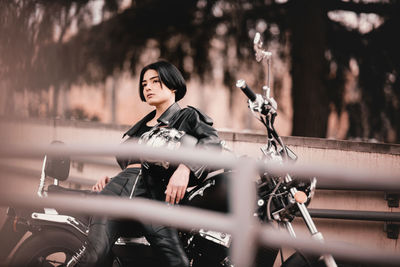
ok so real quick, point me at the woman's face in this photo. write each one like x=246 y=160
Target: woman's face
x=155 y=92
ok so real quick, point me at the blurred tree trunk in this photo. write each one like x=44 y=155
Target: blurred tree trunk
x=310 y=100
x=56 y=93
x=64 y=99
x=114 y=98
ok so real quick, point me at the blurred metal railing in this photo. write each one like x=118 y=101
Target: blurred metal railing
x=315 y=213
x=246 y=230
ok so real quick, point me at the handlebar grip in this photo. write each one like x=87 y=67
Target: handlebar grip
x=246 y=90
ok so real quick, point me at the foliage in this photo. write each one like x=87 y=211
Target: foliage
x=37 y=50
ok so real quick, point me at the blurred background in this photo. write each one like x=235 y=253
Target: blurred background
x=335 y=64
x=69 y=71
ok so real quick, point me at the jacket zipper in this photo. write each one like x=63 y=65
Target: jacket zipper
x=134 y=185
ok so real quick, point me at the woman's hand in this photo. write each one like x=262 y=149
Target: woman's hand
x=101 y=184
x=177 y=185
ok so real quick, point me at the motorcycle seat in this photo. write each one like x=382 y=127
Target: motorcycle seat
x=54 y=189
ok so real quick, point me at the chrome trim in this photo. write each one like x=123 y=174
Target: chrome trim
x=313 y=186
x=130 y=240
x=216 y=237
x=134 y=185
x=50 y=211
x=64 y=219
x=40 y=191
x=200 y=191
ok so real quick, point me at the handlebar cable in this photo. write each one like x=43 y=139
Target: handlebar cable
x=270 y=199
x=277 y=137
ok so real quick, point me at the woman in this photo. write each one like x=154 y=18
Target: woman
x=161 y=85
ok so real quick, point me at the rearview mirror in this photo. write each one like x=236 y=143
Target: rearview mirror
x=57 y=166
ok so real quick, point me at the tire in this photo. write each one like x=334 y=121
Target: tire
x=48 y=248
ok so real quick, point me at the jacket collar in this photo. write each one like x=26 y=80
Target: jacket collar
x=164 y=119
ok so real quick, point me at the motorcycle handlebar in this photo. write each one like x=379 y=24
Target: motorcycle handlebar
x=246 y=90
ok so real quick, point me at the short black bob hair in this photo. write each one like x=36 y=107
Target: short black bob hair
x=169 y=75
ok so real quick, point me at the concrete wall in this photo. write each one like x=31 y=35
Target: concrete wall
x=346 y=154
x=374 y=158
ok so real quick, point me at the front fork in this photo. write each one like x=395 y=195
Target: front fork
x=328 y=259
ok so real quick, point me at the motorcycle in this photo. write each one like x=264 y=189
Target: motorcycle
x=56 y=235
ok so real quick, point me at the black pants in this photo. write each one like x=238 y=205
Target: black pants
x=104 y=232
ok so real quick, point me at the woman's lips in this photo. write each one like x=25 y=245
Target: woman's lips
x=150 y=95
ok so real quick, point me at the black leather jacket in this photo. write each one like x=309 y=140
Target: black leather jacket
x=193 y=122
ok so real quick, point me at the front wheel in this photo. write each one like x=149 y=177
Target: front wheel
x=48 y=248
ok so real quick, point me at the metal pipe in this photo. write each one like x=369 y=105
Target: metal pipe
x=355 y=215
x=321 y=185
x=351 y=186
x=242 y=199
x=139 y=208
x=189 y=218
x=315 y=213
x=330 y=173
